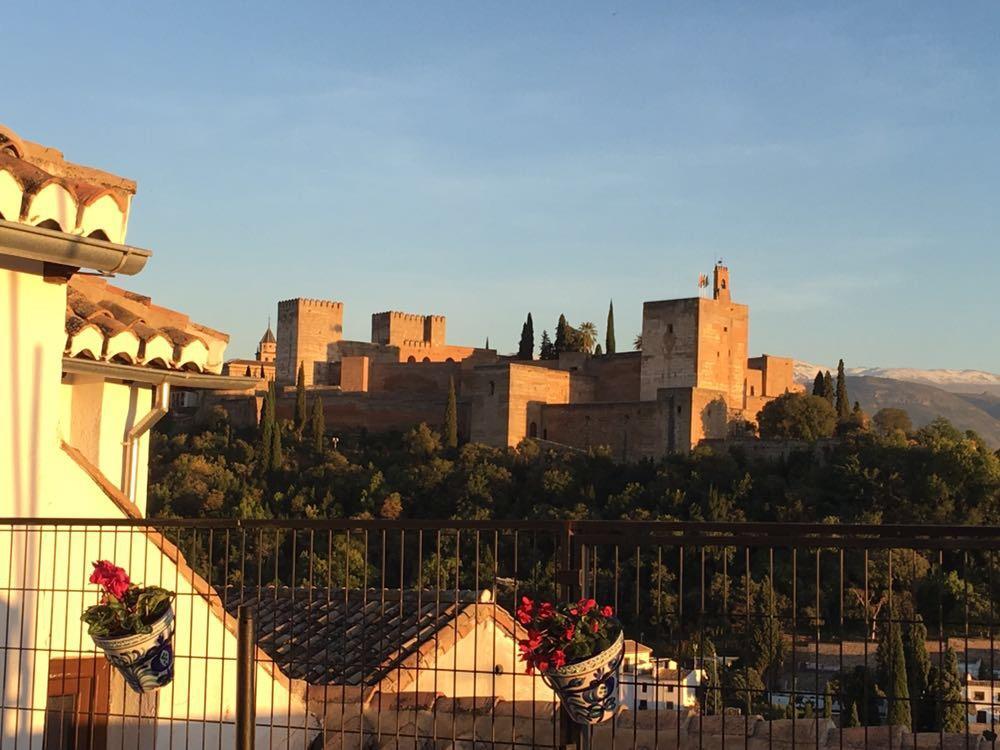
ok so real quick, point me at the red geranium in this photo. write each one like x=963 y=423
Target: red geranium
x=124 y=609
x=561 y=634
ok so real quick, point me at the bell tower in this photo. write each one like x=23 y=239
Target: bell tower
x=720 y=290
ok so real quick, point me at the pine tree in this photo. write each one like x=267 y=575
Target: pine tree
x=896 y=685
x=546 y=350
x=818 y=384
x=946 y=688
x=300 y=398
x=451 y=418
x=918 y=665
x=317 y=423
x=277 y=459
x=713 y=685
x=562 y=337
x=526 y=347
x=828 y=392
x=609 y=336
x=843 y=403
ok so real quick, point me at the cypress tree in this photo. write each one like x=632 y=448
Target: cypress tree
x=562 y=337
x=526 y=347
x=487 y=342
x=546 y=350
x=843 y=403
x=609 y=336
x=713 y=685
x=598 y=351
x=946 y=688
x=451 y=417
x=317 y=423
x=828 y=392
x=818 y=384
x=918 y=666
x=896 y=685
x=852 y=717
x=827 y=702
x=277 y=459
x=300 y=398
x=267 y=424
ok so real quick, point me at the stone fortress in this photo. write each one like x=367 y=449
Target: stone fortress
x=691 y=381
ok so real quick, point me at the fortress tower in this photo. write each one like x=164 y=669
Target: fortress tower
x=308 y=330
x=394 y=328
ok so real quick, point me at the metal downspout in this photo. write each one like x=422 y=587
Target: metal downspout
x=161 y=404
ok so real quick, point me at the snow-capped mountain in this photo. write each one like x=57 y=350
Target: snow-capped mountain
x=960 y=381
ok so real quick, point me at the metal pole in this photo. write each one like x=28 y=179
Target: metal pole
x=569 y=582
x=246 y=692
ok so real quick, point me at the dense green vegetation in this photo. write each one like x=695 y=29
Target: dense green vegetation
x=744 y=602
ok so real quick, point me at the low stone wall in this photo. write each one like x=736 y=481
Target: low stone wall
x=423 y=722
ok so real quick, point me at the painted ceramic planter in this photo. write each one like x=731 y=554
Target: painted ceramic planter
x=589 y=689
x=145 y=660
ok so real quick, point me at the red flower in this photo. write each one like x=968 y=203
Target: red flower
x=607 y=611
x=586 y=605
x=569 y=633
x=558 y=658
x=545 y=611
x=595 y=626
x=111 y=578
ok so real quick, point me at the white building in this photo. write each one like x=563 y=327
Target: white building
x=648 y=683
x=87 y=370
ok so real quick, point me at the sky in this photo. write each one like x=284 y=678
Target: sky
x=484 y=160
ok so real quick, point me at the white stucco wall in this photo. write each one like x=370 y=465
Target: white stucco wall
x=469 y=669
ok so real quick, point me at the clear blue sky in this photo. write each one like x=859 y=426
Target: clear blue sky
x=483 y=160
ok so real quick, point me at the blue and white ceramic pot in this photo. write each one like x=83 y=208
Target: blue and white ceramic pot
x=589 y=689
x=145 y=660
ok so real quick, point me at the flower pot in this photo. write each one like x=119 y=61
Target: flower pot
x=589 y=689
x=145 y=660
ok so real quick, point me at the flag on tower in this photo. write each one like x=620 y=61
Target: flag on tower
x=702 y=281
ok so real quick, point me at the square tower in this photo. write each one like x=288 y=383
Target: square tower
x=308 y=331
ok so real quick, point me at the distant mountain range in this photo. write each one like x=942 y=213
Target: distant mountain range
x=969 y=399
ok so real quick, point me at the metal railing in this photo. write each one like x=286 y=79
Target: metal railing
x=401 y=634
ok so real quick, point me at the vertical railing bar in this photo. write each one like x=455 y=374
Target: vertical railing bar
x=246 y=703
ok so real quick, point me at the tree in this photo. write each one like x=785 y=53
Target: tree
x=277 y=458
x=918 y=665
x=818 y=384
x=546 y=349
x=827 y=702
x=843 y=404
x=767 y=647
x=267 y=425
x=451 y=417
x=796 y=416
x=945 y=689
x=891 y=659
x=713 y=685
x=609 y=334
x=300 y=398
x=852 y=718
x=855 y=422
x=828 y=391
x=587 y=333
x=526 y=347
x=317 y=424
x=598 y=351
x=562 y=336
x=637 y=342
x=889 y=420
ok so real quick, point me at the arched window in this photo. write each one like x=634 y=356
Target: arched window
x=426 y=359
x=411 y=359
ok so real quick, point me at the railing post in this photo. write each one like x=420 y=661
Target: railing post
x=246 y=692
x=569 y=578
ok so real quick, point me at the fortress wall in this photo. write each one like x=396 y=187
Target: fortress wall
x=421 y=377
x=395 y=328
x=669 y=346
x=486 y=391
x=778 y=374
x=530 y=387
x=617 y=376
x=630 y=430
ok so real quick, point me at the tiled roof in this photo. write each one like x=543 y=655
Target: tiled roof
x=39 y=187
x=106 y=323
x=268 y=337
x=358 y=638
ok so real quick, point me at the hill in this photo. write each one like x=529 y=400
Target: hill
x=925 y=402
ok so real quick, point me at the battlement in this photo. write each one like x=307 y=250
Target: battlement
x=405 y=316
x=308 y=302
x=397 y=328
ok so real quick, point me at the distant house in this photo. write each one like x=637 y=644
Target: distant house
x=648 y=683
x=87 y=370
x=366 y=646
